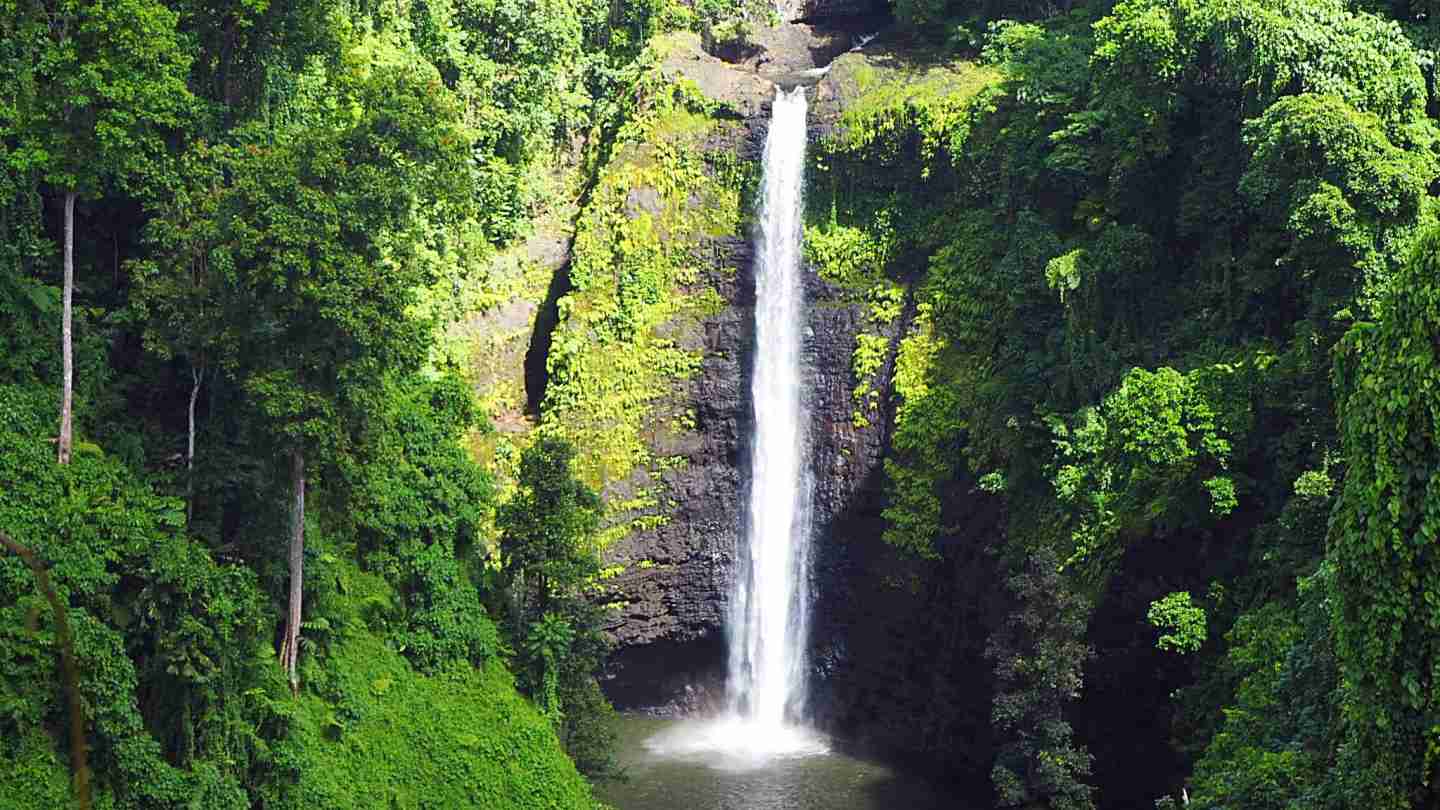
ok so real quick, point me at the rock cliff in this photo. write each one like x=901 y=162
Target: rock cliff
x=673 y=559
x=648 y=368
x=673 y=591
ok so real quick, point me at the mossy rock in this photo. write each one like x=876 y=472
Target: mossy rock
x=630 y=335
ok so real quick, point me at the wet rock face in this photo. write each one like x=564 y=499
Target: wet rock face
x=898 y=658
x=744 y=92
x=845 y=458
x=784 y=48
x=678 y=593
x=669 y=629
x=670 y=632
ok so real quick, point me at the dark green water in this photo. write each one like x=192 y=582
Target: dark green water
x=663 y=779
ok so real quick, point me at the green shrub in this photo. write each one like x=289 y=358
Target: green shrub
x=376 y=733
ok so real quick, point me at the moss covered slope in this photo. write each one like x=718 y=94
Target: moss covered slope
x=384 y=736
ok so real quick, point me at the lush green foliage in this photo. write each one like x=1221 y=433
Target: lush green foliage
x=411 y=480
x=1132 y=244
x=303 y=257
x=1383 y=539
x=1183 y=620
x=278 y=202
x=1128 y=465
x=153 y=616
x=372 y=728
x=1270 y=750
x=547 y=561
x=91 y=89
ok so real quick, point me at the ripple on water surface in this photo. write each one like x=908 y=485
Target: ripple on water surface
x=726 y=764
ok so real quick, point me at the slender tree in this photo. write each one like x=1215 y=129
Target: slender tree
x=80 y=777
x=308 y=238
x=93 y=89
x=178 y=295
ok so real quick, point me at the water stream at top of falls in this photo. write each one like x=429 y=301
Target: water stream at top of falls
x=770 y=603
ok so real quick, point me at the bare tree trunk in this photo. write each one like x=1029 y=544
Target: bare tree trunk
x=290 y=648
x=197 y=375
x=67 y=385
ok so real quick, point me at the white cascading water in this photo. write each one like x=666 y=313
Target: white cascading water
x=769 y=612
x=771 y=602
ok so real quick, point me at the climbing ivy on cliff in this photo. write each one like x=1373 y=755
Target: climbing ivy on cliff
x=1383 y=539
x=627 y=340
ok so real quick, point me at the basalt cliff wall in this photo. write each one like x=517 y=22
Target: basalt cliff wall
x=642 y=312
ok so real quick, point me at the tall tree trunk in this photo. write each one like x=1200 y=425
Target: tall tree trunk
x=197 y=375
x=290 y=649
x=79 y=748
x=67 y=354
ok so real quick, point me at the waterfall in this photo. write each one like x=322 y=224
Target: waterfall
x=770 y=605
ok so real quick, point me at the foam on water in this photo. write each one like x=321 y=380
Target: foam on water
x=734 y=743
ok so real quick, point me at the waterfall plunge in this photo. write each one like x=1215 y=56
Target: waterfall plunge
x=769 y=617
x=770 y=607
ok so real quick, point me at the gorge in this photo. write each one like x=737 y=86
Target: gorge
x=470 y=404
